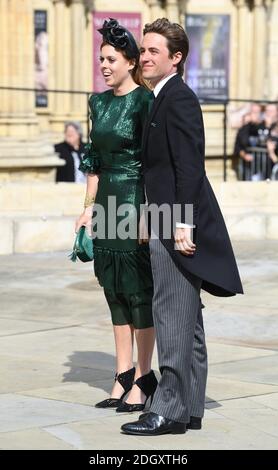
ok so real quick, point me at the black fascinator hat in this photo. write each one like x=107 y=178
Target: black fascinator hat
x=119 y=37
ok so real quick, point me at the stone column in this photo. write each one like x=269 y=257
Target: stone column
x=89 y=50
x=183 y=11
x=272 y=65
x=172 y=11
x=155 y=9
x=259 y=50
x=17 y=68
x=4 y=60
x=62 y=64
x=78 y=58
x=24 y=155
x=245 y=46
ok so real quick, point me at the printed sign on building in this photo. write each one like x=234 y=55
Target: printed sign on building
x=131 y=21
x=207 y=66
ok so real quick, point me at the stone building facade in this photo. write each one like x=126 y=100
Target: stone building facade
x=37 y=214
x=27 y=132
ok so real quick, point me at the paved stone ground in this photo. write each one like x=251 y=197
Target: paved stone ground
x=57 y=359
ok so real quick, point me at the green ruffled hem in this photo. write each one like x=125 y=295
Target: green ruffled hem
x=90 y=163
x=127 y=272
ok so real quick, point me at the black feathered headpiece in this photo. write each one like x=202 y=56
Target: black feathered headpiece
x=120 y=38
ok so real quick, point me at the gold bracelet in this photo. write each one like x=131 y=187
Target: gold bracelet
x=89 y=200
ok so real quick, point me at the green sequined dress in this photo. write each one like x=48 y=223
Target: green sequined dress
x=114 y=152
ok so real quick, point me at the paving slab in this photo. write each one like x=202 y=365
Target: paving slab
x=23 y=412
x=261 y=370
x=221 y=388
x=57 y=359
x=32 y=439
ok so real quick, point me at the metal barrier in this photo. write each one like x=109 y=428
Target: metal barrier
x=258 y=160
x=259 y=168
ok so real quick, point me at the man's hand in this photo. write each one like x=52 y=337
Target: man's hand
x=271 y=147
x=248 y=157
x=184 y=242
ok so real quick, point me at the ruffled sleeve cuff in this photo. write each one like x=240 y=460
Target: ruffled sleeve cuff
x=90 y=163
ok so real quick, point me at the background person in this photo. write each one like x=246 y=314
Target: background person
x=71 y=150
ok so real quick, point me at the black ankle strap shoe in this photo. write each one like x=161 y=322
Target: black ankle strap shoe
x=147 y=383
x=126 y=380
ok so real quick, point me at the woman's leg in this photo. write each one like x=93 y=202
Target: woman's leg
x=123 y=335
x=145 y=339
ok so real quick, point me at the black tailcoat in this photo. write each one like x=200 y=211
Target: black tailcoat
x=173 y=166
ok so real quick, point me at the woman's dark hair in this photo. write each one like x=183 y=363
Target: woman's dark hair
x=177 y=40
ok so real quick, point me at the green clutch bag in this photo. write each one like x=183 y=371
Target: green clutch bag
x=83 y=246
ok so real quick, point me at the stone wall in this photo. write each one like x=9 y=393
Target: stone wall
x=39 y=217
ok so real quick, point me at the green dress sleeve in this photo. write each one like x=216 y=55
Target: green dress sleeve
x=90 y=162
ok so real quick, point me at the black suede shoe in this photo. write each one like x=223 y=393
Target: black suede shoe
x=194 y=423
x=153 y=425
x=126 y=380
x=109 y=403
x=147 y=383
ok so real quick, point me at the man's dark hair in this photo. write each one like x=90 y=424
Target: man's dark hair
x=177 y=40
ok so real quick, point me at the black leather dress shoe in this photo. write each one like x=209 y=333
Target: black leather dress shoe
x=194 y=423
x=153 y=425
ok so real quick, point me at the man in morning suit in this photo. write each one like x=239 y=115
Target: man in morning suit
x=198 y=255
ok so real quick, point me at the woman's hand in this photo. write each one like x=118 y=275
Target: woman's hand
x=143 y=236
x=84 y=219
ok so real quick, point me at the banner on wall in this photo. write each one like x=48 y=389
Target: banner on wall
x=41 y=57
x=207 y=65
x=131 y=21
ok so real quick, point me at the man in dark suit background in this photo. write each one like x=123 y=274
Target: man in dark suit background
x=174 y=172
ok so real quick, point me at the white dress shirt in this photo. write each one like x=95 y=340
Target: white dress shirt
x=79 y=177
x=156 y=90
x=161 y=84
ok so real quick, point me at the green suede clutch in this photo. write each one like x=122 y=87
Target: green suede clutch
x=83 y=246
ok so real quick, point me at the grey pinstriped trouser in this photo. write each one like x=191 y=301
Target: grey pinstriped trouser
x=180 y=340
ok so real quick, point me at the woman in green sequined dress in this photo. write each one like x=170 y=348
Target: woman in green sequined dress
x=113 y=165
